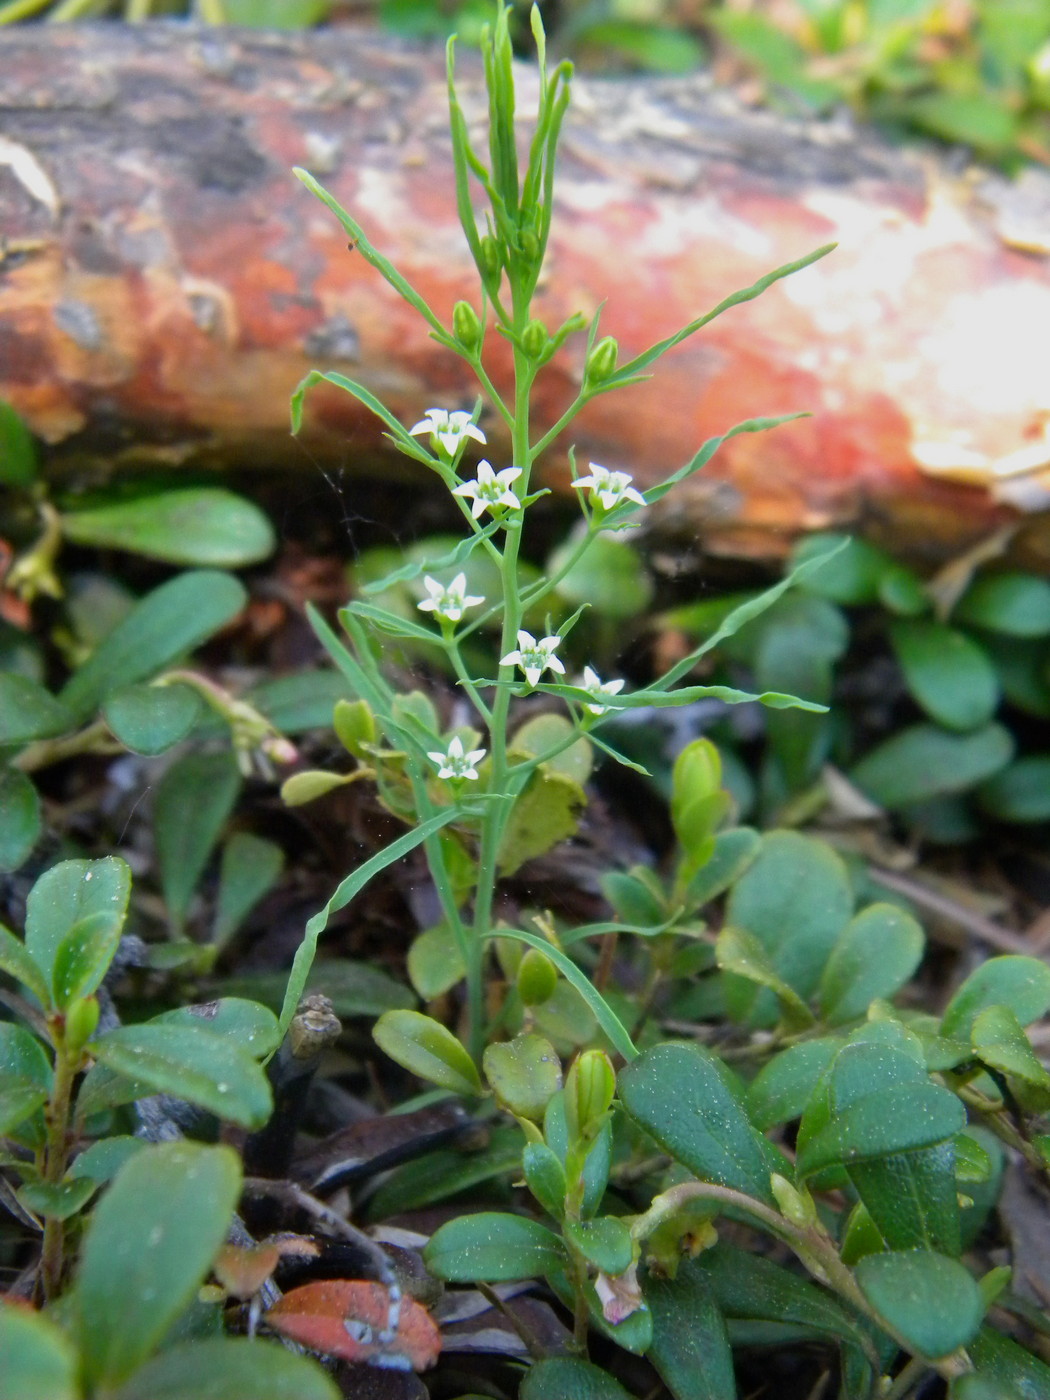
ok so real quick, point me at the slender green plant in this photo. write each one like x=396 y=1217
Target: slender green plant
x=462 y=791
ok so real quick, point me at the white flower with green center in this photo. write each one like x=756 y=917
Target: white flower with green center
x=448 y=602
x=594 y=683
x=490 y=489
x=534 y=657
x=449 y=429
x=457 y=763
x=610 y=488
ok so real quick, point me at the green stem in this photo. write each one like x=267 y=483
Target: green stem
x=56 y=1158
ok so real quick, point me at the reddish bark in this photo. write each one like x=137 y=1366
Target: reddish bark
x=165 y=282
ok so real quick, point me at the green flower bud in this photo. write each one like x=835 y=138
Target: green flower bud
x=795 y=1205
x=81 y=1023
x=589 y=1090
x=465 y=325
x=529 y=244
x=601 y=361
x=491 y=260
x=537 y=978
x=534 y=339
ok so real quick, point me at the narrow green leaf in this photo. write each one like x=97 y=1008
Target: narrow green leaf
x=1021 y=1375
x=351 y=886
x=545 y=1177
x=427 y=1049
x=40 y=1362
x=71 y=891
x=382 y=620
x=83 y=957
x=852 y=576
x=781 y=1089
x=947 y=673
x=20 y=1098
x=191 y=1064
x=743 y=954
x=28 y=711
x=678 y=1095
x=196 y=525
x=229 y=1368
x=924 y=761
x=151 y=718
x=492 y=1248
x=690 y=1349
x=874 y=956
x=1021 y=983
x=21 y=820
x=18 y=466
x=734 y=851
x=569 y=1378
x=192 y=803
x=18 y=963
x=250 y=867
x=603 y=1012
x=160 y=629
x=150 y=1243
x=932 y=1303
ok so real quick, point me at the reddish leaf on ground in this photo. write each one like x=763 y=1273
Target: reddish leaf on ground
x=358 y=1321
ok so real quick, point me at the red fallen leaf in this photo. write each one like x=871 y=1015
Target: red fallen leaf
x=351 y=1319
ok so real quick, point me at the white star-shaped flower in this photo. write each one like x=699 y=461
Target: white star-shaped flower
x=593 y=682
x=456 y=763
x=449 y=429
x=534 y=657
x=611 y=488
x=448 y=602
x=490 y=489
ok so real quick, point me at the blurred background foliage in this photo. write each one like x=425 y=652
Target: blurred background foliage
x=974 y=73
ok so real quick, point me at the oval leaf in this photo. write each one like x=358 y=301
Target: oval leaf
x=1021 y=983
x=28 y=711
x=523 y=1073
x=1014 y=603
x=925 y=761
x=150 y=1243
x=900 y=1118
x=20 y=818
x=949 y=675
x=690 y=1348
x=39 y=1360
x=569 y=1378
x=83 y=957
x=677 y=1094
x=69 y=892
x=191 y=1064
x=874 y=956
x=201 y=525
x=930 y=1302
x=151 y=718
x=205 y=785
x=492 y=1248
x=428 y=1049
x=1020 y=792
x=221 y=1368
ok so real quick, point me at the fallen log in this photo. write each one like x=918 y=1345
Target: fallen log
x=165 y=281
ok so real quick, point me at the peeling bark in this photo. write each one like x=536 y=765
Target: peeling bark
x=165 y=281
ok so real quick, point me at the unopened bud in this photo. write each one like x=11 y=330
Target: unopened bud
x=794 y=1205
x=589 y=1090
x=601 y=361
x=465 y=325
x=537 y=978
x=534 y=339
x=81 y=1023
x=491 y=260
x=529 y=245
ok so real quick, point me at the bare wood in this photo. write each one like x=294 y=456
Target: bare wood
x=164 y=281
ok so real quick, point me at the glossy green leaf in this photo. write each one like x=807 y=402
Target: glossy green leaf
x=690 y=1349
x=18 y=465
x=69 y=892
x=636 y=895
x=874 y=956
x=1016 y=604
x=192 y=1064
x=57 y=1200
x=795 y=898
x=931 y=1302
x=20 y=1098
x=195 y=525
x=545 y=1177
x=678 y=1095
x=21 y=820
x=435 y=961
x=1000 y=1042
x=947 y=673
x=150 y=1243
x=40 y=1362
x=159 y=630
x=523 y=1073
x=103 y=1159
x=22 y=1054
x=1021 y=983
x=311 y=784
x=743 y=955
x=1022 y=1375
x=428 y=1049
x=493 y=1248
x=925 y=761
x=151 y=718
x=249 y=869
x=781 y=1089
x=83 y=957
x=569 y=1378
x=734 y=851
x=191 y=805
x=28 y=711
x=1020 y=792
x=912 y=1198
x=17 y=962
x=245 y=1024
x=604 y=1242
x=229 y=1368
